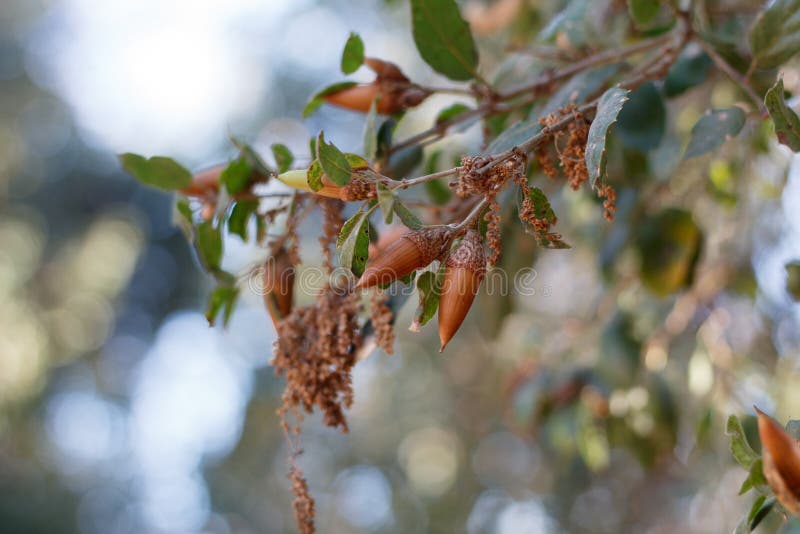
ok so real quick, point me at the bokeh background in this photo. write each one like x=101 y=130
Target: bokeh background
x=588 y=406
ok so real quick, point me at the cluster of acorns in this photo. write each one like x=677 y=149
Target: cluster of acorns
x=464 y=270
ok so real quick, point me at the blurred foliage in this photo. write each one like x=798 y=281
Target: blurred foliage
x=595 y=400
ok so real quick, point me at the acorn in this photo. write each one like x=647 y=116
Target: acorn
x=298 y=179
x=781 y=460
x=385 y=70
x=412 y=251
x=387 y=237
x=464 y=271
x=393 y=96
x=205 y=182
x=278 y=284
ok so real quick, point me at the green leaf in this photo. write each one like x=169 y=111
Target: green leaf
x=754 y=478
x=542 y=210
x=184 y=210
x=355 y=161
x=642 y=122
x=318 y=99
x=607 y=111
x=283 y=157
x=713 y=129
x=353 y=243
x=775 y=34
x=386 y=200
x=236 y=175
x=208 y=242
x=314 y=176
x=353 y=54
x=643 y=12
x=333 y=162
x=240 y=216
x=409 y=219
x=690 y=70
x=158 y=171
x=787 y=123
x=740 y=448
x=428 y=284
x=443 y=38
x=451 y=111
x=438 y=192
x=223 y=298
x=572 y=21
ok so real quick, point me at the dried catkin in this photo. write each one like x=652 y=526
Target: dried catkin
x=381 y=317
x=331 y=225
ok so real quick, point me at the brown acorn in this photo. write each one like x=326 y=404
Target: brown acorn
x=205 y=182
x=463 y=274
x=412 y=251
x=781 y=459
x=278 y=282
x=393 y=96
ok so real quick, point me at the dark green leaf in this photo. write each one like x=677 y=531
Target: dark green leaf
x=236 y=175
x=643 y=12
x=760 y=509
x=184 y=210
x=443 y=38
x=713 y=129
x=353 y=54
x=669 y=244
x=541 y=205
x=754 y=478
x=793 y=279
x=333 y=162
x=208 y=241
x=409 y=219
x=741 y=450
x=428 y=289
x=318 y=99
x=689 y=70
x=642 y=121
x=607 y=111
x=222 y=298
x=314 y=176
x=775 y=34
x=403 y=162
x=251 y=156
x=787 y=123
x=240 y=216
x=161 y=172
x=450 y=112
x=283 y=157
x=386 y=201
x=354 y=239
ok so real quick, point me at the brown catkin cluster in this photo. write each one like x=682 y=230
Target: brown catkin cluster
x=471 y=181
x=358 y=189
x=572 y=157
x=315 y=351
x=303 y=503
x=609 y=195
x=331 y=225
x=493 y=232
x=381 y=317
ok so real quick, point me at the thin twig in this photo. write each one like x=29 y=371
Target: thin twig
x=734 y=75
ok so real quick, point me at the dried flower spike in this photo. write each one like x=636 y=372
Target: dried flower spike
x=781 y=457
x=278 y=283
x=412 y=251
x=464 y=272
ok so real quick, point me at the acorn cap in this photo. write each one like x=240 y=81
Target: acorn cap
x=465 y=269
x=412 y=251
x=781 y=458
